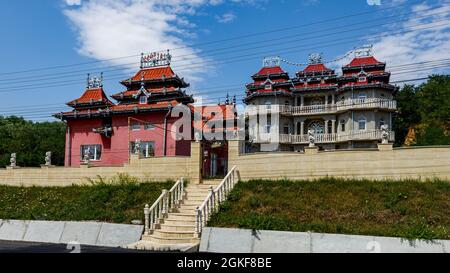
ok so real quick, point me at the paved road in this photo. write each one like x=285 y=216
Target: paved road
x=30 y=247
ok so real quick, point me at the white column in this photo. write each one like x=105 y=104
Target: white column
x=333 y=125
x=333 y=101
x=302 y=127
x=326 y=100
x=302 y=101
x=295 y=128
x=326 y=127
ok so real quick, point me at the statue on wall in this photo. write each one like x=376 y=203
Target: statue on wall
x=311 y=138
x=87 y=156
x=48 y=158
x=137 y=146
x=384 y=134
x=13 y=160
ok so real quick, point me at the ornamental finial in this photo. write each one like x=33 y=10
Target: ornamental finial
x=315 y=58
x=94 y=81
x=155 y=59
x=364 y=51
x=271 y=61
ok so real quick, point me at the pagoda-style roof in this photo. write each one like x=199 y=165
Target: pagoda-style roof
x=155 y=75
x=117 y=110
x=91 y=97
x=363 y=61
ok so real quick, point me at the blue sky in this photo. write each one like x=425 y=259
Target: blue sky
x=45 y=34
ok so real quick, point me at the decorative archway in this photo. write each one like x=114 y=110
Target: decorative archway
x=318 y=126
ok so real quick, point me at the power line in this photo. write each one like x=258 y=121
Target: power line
x=221 y=40
x=230 y=49
x=232 y=60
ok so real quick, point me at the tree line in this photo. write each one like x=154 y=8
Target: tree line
x=423 y=113
x=30 y=141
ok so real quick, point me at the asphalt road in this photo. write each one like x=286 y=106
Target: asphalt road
x=31 y=247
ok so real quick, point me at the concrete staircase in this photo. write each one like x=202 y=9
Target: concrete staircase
x=176 y=232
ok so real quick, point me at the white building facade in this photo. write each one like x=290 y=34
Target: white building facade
x=344 y=111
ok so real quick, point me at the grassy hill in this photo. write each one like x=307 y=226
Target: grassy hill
x=409 y=209
x=119 y=201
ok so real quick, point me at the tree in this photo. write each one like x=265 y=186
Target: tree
x=30 y=141
x=408 y=113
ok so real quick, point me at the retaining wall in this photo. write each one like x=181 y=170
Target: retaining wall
x=227 y=240
x=420 y=162
x=84 y=233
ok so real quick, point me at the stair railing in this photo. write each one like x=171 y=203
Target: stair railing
x=214 y=199
x=167 y=201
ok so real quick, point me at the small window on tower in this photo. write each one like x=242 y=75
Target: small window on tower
x=362 y=79
x=268 y=86
x=143 y=100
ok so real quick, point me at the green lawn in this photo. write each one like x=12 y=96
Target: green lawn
x=409 y=209
x=118 y=201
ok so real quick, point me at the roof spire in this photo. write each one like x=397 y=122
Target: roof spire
x=364 y=51
x=271 y=61
x=315 y=58
x=227 y=100
x=94 y=81
x=154 y=59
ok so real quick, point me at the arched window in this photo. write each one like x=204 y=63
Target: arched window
x=362 y=123
x=317 y=126
x=343 y=125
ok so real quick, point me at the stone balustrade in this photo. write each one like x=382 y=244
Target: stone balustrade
x=333 y=138
x=341 y=106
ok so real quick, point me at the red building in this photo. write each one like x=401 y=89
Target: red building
x=107 y=132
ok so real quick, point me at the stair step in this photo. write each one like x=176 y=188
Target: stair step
x=176 y=222
x=178 y=227
x=160 y=240
x=181 y=217
x=168 y=234
x=186 y=211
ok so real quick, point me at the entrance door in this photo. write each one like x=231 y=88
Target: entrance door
x=213 y=166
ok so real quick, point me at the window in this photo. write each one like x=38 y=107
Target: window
x=362 y=79
x=94 y=151
x=286 y=129
x=318 y=127
x=149 y=126
x=268 y=86
x=135 y=127
x=268 y=105
x=147 y=148
x=142 y=99
x=268 y=125
x=342 y=125
x=362 y=123
x=362 y=96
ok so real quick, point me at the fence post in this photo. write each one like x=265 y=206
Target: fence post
x=182 y=190
x=146 y=217
x=164 y=204
x=197 y=221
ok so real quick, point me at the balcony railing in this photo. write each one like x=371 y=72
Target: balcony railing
x=333 y=138
x=370 y=103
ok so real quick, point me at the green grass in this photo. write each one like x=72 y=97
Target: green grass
x=118 y=200
x=410 y=209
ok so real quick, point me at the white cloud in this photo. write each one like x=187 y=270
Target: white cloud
x=226 y=18
x=429 y=41
x=73 y=2
x=109 y=29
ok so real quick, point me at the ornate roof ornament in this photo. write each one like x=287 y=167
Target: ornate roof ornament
x=364 y=51
x=272 y=61
x=155 y=59
x=94 y=81
x=315 y=58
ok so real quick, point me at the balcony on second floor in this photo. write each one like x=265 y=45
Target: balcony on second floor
x=340 y=106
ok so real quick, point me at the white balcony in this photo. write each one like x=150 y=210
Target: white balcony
x=335 y=138
x=341 y=106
